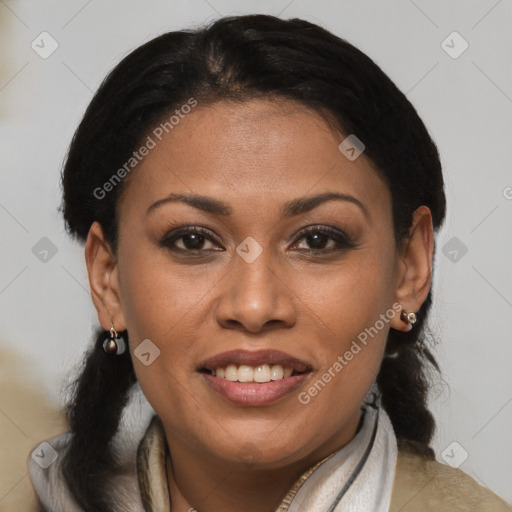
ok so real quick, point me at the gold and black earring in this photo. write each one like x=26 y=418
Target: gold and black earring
x=114 y=344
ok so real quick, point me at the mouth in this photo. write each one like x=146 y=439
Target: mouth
x=254 y=378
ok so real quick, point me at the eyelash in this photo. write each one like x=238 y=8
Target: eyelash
x=343 y=240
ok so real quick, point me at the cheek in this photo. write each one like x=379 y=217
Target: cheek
x=352 y=309
x=161 y=303
x=346 y=299
x=350 y=365
x=157 y=296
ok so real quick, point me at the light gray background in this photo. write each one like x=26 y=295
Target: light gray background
x=466 y=103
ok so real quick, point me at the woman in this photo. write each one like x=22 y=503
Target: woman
x=258 y=203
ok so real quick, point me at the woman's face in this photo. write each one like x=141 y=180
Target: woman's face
x=253 y=281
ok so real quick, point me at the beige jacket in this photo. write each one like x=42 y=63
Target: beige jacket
x=421 y=485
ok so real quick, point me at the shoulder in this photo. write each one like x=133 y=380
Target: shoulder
x=423 y=485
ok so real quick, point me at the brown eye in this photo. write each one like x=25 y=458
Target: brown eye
x=325 y=240
x=191 y=240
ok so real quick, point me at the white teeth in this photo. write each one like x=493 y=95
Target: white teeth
x=231 y=373
x=276 y=372
x=262 y=373
x=245 y=373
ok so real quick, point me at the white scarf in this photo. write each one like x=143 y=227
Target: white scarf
x=357 y=478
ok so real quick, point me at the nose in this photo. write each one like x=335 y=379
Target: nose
x=256 y=296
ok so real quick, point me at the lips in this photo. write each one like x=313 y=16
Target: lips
x=251 y=392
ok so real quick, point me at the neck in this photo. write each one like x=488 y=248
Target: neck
x=228 y=491
x=198 y=484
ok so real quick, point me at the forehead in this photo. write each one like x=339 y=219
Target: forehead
x=255 y=154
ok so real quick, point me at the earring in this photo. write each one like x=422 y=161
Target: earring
x=409 y=318
x=114 y=344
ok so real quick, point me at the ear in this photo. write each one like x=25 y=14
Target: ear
x=104 y=279
x=414 y=266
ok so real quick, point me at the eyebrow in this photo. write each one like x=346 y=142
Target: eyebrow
x=289 y=209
